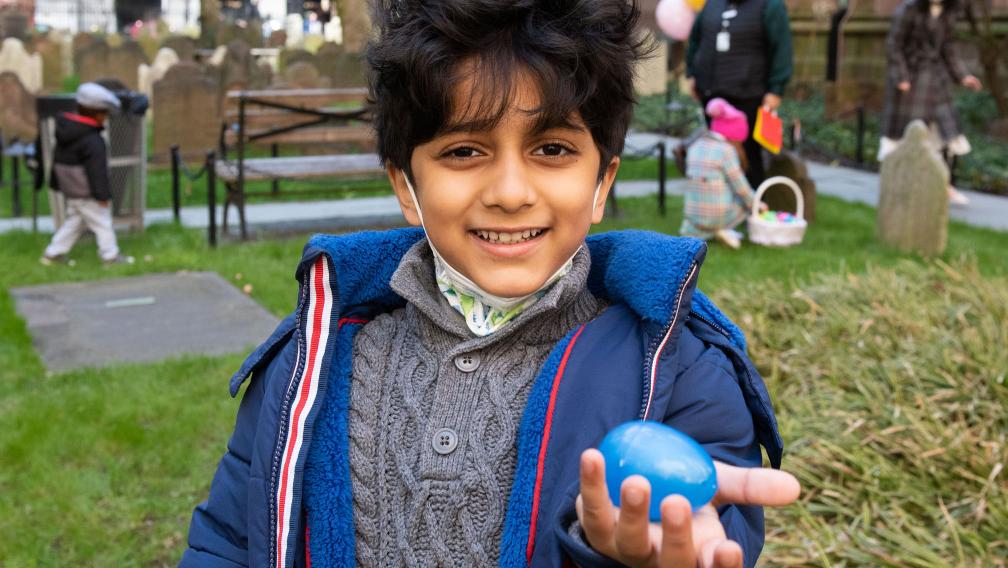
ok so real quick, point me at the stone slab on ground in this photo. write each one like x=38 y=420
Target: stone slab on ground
x=140 y=319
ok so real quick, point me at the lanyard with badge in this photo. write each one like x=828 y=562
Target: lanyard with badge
x=723 y=42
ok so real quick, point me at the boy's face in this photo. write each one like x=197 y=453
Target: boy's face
x=507 y=206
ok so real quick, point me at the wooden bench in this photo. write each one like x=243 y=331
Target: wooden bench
x=302 y=117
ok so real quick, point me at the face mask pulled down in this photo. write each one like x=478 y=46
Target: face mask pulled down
x=484 y=313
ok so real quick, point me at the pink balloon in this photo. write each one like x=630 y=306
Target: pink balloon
x=675 y=18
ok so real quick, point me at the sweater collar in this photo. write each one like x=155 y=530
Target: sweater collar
x=623 y=270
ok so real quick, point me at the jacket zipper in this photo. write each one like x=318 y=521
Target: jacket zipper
x=649 y=362
x=285 y=408
x=718 y=328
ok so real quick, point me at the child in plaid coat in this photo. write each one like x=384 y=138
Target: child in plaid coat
x=718 y=197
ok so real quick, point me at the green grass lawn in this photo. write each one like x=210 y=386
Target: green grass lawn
x=864 y=349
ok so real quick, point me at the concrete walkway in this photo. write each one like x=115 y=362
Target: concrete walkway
x=984 y=210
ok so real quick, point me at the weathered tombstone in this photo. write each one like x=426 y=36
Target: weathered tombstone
x=303 y=75
x=913 y=199
x=238 y=69
x=294 y=26
x=183 y=46
x=17 y=109
x=790 y=165
x=343 y=69
x=278 y=38
x=91 y=61
x=80 y=45
x=356 y=23
x=124 y=61
x=296 y=55
x=186 y=108
x=148 y=74
x=250 y=33
x=50 y=50
x=16 y=59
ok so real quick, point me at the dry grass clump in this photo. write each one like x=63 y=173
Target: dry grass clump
x=891 y=395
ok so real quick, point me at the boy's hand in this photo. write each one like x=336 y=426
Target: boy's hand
x=972 y=83
x=681 y=540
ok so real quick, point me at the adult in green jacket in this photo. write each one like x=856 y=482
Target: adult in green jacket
x=740 y=50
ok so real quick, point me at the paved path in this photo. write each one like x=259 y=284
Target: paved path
x=984 y=210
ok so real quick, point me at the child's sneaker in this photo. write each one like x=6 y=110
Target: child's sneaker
x=729 y=238
x=119 y=260
x=45 y=260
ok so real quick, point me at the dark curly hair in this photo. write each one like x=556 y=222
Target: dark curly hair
x=581 y=55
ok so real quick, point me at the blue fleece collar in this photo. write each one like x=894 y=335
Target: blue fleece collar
x=642 y=269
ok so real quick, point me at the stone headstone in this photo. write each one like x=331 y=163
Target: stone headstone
x=343 y=69
x=17 y=109
x=278 y=38
x=294 y=26
x=303 y=75
x=124 y=62
x=16 y=59
x=238 y=69
x=186 y=109
x=250 y=33
x=296 y=55
x=91 y=61
x=913 y=199
x=80 y=45
x=183 y=46
x=50 y=49
x=148 y=74
x=790 y=165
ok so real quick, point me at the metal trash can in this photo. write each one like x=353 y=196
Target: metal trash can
x=126 y=136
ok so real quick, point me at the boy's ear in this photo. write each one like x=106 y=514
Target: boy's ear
x=397 y=178
x=608 y=178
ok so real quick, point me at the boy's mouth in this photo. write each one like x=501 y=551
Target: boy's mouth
x=508 y=237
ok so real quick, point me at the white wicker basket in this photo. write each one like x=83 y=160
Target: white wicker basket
x=777 y=234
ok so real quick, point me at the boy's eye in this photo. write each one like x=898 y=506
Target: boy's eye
x=553 y=150
x=461 y=152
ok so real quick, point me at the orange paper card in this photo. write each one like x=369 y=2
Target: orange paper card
x=769 y=131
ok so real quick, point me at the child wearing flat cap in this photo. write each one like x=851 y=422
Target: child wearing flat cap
x=80 y=173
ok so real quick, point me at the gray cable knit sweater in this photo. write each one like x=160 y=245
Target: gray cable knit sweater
x=434 y=414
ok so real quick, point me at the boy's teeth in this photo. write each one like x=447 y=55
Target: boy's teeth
x=507 y=238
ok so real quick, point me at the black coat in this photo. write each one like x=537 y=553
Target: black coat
x=920 y=52
x=80 y=160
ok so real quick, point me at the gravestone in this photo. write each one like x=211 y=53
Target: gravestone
x=79 y=45
x=17 y=109
x=16 y=59
x=278 y=38
x=913 y=198
x=239 y=70
x=124 y=63
x=356 y=23
x=343 y=69
x=294 y=26
x=148 y=74
x=91 y=60
x=790 y=165
x=302 y=75
x=296 y=55
x=140 y=319
x=186 y=109
x=50 y=48
x=250 y=33
x=183 y=46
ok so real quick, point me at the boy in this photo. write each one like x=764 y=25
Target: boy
x=433 y=399
x=80 y=172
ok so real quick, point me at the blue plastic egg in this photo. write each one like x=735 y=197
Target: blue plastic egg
x=671 y=461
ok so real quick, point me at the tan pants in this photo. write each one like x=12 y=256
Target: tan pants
x=82 y=215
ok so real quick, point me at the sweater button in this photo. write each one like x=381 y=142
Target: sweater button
x=445 y=441
x=467 y=362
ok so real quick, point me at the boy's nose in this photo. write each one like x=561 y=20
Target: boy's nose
x=509 y=188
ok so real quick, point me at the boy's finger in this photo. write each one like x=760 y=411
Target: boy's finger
x=754 y=486
x=598 y=517
x=633 y=538
x=677 y=534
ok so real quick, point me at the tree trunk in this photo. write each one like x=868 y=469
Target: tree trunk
x=356 y=23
